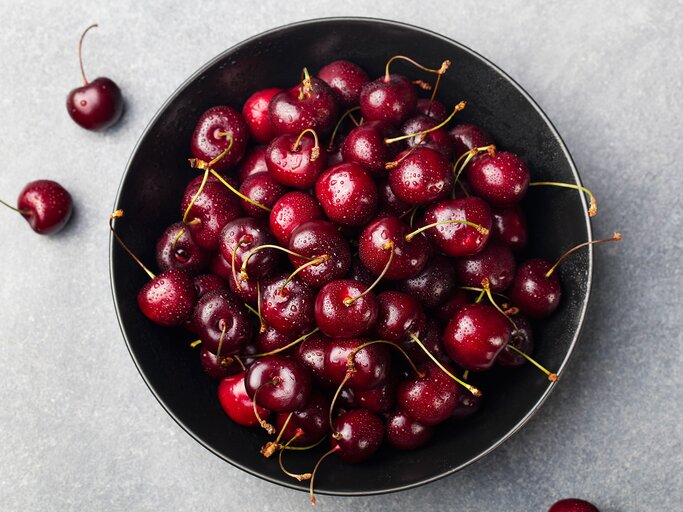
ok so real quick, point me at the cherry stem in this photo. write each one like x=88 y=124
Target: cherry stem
x=22 y=212
x=262 y=322
x=481 y=229
x=239 y=361
x=195 y=343
x=243 y=268
x=431 y=99
x=349 y=373
x=220 y=341
x=315 y=150
x=552 y=377
x=487 y=289
x=306 y=87
x=289 y=345
x=394 y=163
x=479 y=297
x=330 y=145
x=284 y=426
x=237 y=192
x=353 y=353
x=465 y=375
x=315 y=470
x=469 y=387
x=246 y=239
x=116 y=215
x=615 y=238
x=592 y=202
x=443 y=123
x=177 y=237
x=467 y=156
x=302 y=476
x=314 y=262
x=302 y=448
x=475 y=289
x=264 y=424
x=80 y=52
x=444 y=66
x=194 y=198
x=387 y=246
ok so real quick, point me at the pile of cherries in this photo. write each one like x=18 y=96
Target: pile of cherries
x=307 y=269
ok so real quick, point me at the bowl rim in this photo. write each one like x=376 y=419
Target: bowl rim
x=583 y=307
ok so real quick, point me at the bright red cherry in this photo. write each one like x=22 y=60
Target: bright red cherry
x=347 y=194
x=233 y=397
x=261 y=188
x=278 y=383
x=290 y=211
x=573 y=505
x=345 y=308
x=391 y=98
x=494 y=262
x=217 y=129
x=366 y=146
x=346 y=79
x=46 y=206
x=296 y=160
x=534 y=293
x=422 y=176
x=169 y=298
x=255 y=113
x=500 y=178
x=405 y=433
x=177 y=249
x=254 y=162
x=428 y=399
x=468 y=136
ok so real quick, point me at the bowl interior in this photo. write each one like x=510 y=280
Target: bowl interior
x=156 y=176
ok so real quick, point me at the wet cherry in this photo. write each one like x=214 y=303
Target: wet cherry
x=343 y=309
x=405 y=433
x=278 y=383
x=347 y=194
x=177 y=249
x=216 y=129
x=346 y=79
x=255 y=113
x=236 y=403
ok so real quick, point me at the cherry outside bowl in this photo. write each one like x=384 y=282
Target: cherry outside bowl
x=155 y=178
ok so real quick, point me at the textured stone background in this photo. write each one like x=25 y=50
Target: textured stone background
x=80 y=431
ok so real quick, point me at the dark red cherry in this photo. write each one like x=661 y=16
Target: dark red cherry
x=392 y=99
x=95 y=105
x=174 y=251
x=573 y=505
x=288 y=309
x=271 y=339
x=211 y=211
x=310 y=353
x=431 y=339
x=262 y=189
x=500 y=179
x=283 y=385
x=254 y=162
x=359 y=273
x=509 y=226
x=220 y=367
x=233 y=397
x=334 y=151
x=468 y=136
x=467 y=405
x=358 y=435
x=342 y=311
x=295 y=164
x=522 y=338
x=255 y=113
x=379 y=399
x=346 y=80
x=437 y=139
x=212 y=136
x=169 y=298
x=365 y=146
x=475 y=336
x=219 y=314
x=371 y=364
x=422 y=177
x=532 y=292
x=374 y=249
x=315 y=240
x=456 y=300
x=290 y=211
x=312 y=420
x=433 y=109
x=239 y=237
x=494 y=262
x=46 y=206
x=245 y=289
x=204 y=283
x=456 y=239
x=433 y=284
x=405 y=433
x=293 y=110
x=347 y=194
x=429 y=399
x=220 y=267
x=389 y=204
x=399 y=315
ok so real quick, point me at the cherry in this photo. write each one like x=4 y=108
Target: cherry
x=255 y=113
x=312 y=420
x=220 y=267
x=270 y=339
x=467 y=137
x=429 y=398
x=278 y=383
x=405 y=433
x=326 y=251
x=334 y=151
x=310 y=353
x=573 y=505
x=246 y=289
x=499 y=177
x=357 y=435
x=391 y=98
x=509 y=226
x=385 y=238
x=389 y=204
x=296 y=160
x=238 y=242
x=495 y=262
x=209 y=211
x=370 y=365
x=347 y=194
x=433 y=109
x=399 y=314
x=437 y=139
x=262 y=189
x=290 y=211
x=254 y=162
x=366 y=145
x=95 y=105
x=535 y=293
x=359 y=273
x=46 y=206
x=379 y=399
x=218 y=128
x=309 y=104
x=222 y=323
x=287 y=307
x=475 y=336
x=345 y=308
x=457 y=239
x=430 y=337
x=457 y=299
x=177 y=249
x=522 y=338
x=346 y=79
x=422 y=176
x=204 y=283
x=433 y=284
x=220 y=367
x=466 y=405
x=232 y=395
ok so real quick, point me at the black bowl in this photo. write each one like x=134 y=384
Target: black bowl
x=155 y=178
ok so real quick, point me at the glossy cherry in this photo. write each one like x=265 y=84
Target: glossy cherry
x=433 y=284
x=499 y=177
x=361 y=274
x=399 y=315
x=390 y=98
x=271 y=339
x=438 y=139
x=347 y=194
x=255 y=113
x=457 y=299
x=343 y=309
x=433 y=109
x=46 y=206
x=312 y=420
x=428 y=399
x=521 y=337
x=509 y=226
x=573 y=505
x=389 y=204
x=422 y=176
x=177 y=249
x=310 y=353
x=216 y=129
x=254 y=162
x=366 y=146
x=535 y=294
x=467 y=136
x=430 y=336
x=370 y=368
x=237 y=241
x=289 y=309
x=236 y=403
x=405 y=433
x=467 y=405
x=494 y=262
x=279 y=383
x=475 y=336
x=379 y=399
x=295 y=161
x=220 y=367
x=263 y=189
x=346 y=79
x=245 y=289
x=357 y=435
x=222 y=321
x=291 y=210
x=95 y=105
x=204 y=283
x=169 y=298
x=326 y=252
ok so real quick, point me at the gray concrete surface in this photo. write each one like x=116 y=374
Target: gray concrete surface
x=80 y=431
